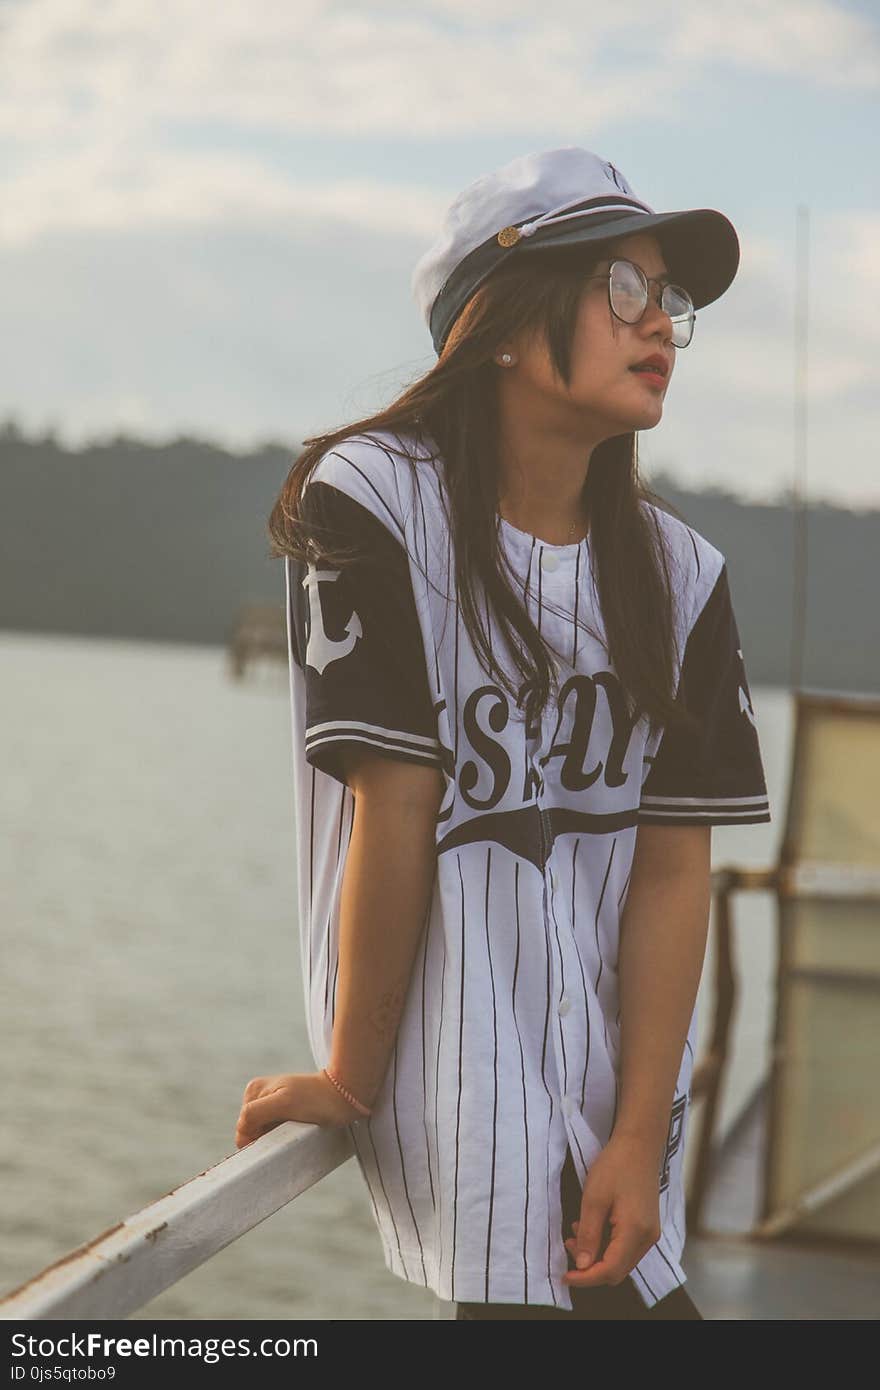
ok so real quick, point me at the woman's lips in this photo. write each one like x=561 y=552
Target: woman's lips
x=652 y=378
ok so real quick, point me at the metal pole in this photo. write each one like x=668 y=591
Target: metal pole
x=799 y=491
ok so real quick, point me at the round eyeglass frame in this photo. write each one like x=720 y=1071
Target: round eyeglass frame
x=647 y=282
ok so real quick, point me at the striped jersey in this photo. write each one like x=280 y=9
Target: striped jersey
x=508 y=1044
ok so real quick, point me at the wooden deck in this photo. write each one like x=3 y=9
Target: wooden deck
x=732 y=1275
x=731 y=1278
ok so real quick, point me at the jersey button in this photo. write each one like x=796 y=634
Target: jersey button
x=564 y=1005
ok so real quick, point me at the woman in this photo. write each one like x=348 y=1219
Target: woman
x=519 y=705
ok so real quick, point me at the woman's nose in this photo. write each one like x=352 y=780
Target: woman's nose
x=655 y=316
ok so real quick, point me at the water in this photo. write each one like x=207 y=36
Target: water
x=151 y=965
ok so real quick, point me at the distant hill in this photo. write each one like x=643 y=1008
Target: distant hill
x=168 y=542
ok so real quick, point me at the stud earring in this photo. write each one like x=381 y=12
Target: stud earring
x=506 y=358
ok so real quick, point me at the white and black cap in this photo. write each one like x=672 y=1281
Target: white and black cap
x=557 y=198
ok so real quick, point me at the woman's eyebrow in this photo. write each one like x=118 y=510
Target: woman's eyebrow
x=664 y=274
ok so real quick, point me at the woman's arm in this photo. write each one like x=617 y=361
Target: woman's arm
x=386 y=890
x=385 y=893
x=664 y=930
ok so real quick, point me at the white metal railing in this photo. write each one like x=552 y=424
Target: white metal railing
x=130 y=1263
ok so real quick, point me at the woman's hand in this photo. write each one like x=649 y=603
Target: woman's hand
x=622 y=1194
x=309 y=1097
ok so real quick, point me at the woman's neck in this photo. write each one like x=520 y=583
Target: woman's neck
x=554 y=530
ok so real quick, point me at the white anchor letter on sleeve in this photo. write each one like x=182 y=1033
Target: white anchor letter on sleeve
x=745 y=704
x=321 y=649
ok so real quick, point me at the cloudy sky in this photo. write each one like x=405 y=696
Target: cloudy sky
x=210 y=211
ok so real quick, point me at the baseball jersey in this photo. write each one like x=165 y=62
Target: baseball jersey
x=508 y=1044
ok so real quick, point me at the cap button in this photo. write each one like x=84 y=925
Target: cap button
x=508 y=236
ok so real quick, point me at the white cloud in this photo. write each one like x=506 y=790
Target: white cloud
x=72 y=70
x=101 y=102
x=859 y=242
x=843 y=343
x=108 y=188
x=810 y=39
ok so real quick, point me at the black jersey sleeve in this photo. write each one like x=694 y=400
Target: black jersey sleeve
x=713 y=775
x=356 y=637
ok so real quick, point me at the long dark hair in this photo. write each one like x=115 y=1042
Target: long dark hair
x=455 y=404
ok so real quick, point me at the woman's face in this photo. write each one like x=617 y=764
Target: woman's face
x=607 y=398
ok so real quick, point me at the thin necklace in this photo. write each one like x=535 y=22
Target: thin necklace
x=572 y=528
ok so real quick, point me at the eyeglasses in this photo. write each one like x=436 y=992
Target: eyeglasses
x=628 y=298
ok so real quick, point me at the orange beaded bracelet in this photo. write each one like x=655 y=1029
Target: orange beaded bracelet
x=362 y=1109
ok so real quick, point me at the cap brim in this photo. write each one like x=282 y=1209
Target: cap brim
x=700 y=245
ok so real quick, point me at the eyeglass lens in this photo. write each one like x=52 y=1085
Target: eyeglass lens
x=629 y=299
